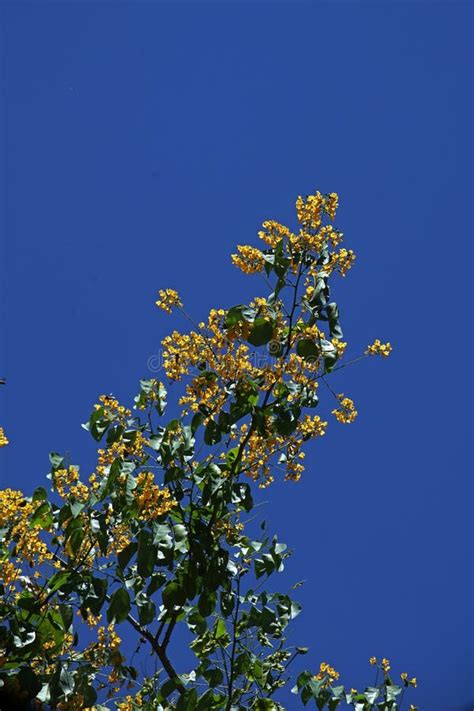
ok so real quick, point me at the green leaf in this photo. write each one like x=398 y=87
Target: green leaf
x=157 y=580
x=213 y=676
x=42 y=516
x=126 y=554
x=371 y=694
x=226 y=603
x=241 y=495
x=96 y=596
x=58 y=580
x=40 y=494
x=146 y=554
x=233 y=316
x=188 y=701
x=220 y=629
x=98 y=424
x=197 y=421
x=261 y=332
x=212 y=433
x=265 y=705
x=173 y=595
x=56 y=460
x=76 y=508
x=392 y=692
x=332 y=312
x=119 y=606
x=207 y=603
x=308 y=349
x=66 y=682
x=146 y=608
x=29 y=681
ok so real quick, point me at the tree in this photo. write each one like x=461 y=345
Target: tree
x=158 y=538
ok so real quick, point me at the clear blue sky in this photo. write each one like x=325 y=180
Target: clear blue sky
x=142 y=142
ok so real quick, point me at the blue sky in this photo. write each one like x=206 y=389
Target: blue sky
x=142 y=142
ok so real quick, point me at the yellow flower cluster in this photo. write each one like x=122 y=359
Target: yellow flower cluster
x=114 y=639
x=347 y=412
x=113 y=410
x=108 y=642
x=312 y=427
x=3 y=438
x=329 y=234
x=306 y=241
x=331 y=204
x=119 y=537
x=230 y=531
x=327 y=672
x=250 y=260
x=213 y=346
x=340 y=346
x=168 y=299
x=260 y=449
x=90 y=619
x=410 y=682
x=106 y=652
x=309 y=211
x=130 y=703
x=378 y=348
x=181 y=351
x=342 y=261
x=135 y=448
x=8 y=572
x=11 y=502
x=64 y=479
x=298 y=368
x=203 y=391
x=74 y=703
x=151 y=500
x=385 y=664
x=106 y=457
x=15 y=512
x=273 y=232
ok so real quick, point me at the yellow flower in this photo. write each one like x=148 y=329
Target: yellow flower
x=130 y=703
x=3 y=439
x=340 y=346
x=151 y=500
x=342 y=260
x=385 y=665
x=378 y=348
x=113 y=410
x=9 y=573
x=347 y=412
x=312 y=427
x=250 y=260
x=331 y=204
x=373 y=660
x=273 y=232
x=64 y=479
x=15 y=512
x=327 y=673
x=309 y=211
x=168 y=299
